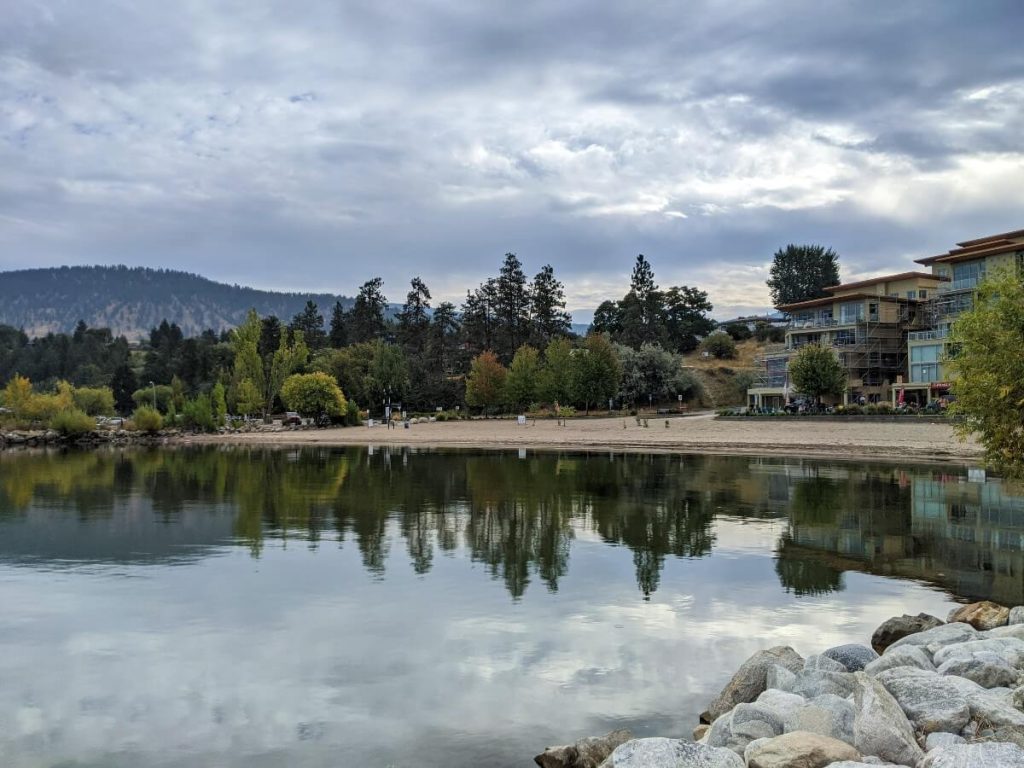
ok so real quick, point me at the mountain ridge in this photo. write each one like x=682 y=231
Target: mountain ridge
x=131 y=300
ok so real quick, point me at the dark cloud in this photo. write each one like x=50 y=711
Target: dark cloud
x=315 y=146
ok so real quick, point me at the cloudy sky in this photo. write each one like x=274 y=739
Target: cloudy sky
x=313 y=145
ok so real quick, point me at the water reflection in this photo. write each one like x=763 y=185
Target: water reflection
x=324 y=607
x=516 y=516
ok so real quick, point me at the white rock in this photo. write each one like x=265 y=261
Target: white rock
x=940 y=739
x=880 y=727
x=904 y=656
x=670 y=753
x=988 y=755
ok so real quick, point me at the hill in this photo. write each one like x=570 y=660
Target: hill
x=130 y=301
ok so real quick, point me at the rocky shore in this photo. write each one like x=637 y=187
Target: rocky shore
x=42 y=438
x=925 y=693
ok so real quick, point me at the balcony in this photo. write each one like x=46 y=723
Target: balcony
x=824 y=322
x=963 y=284
x=940 y=333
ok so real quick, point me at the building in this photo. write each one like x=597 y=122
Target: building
x=962 y=269
x=865 y=323
x=890 y=333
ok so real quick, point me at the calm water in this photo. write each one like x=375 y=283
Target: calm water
x=324 y=607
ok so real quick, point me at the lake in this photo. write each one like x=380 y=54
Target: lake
x=344 y=607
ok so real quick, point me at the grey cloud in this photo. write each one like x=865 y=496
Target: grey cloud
x=359 y=138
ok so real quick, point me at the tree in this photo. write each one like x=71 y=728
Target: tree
x=653 y=373
x=719 y=345
x=511 y=307
x=686 y=319
x=555 y=379
x=444 y=338
x=366 y=320
x=801 y=273
x=287 y=359
x=414 y=318
x=123 y=384
x=485 y=385
x=607 y=319
x=94 y=401
x=596 y=370
x=313 y=394
x=311 y=324
x=338 y=335
x=988 y=370
x=220 y=404
x=248 y=363
x=521 y=383
x=815 y=371
x=549 y=316
x=248 y=398
x=478 y=317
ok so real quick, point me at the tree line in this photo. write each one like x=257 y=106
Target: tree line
x=510 y=345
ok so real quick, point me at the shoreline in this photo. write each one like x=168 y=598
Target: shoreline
x=925 y=442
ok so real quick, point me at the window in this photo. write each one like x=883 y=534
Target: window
x=922 y=294
x=873 y=312
x=924 y=363
x=851 y=312
x=928 y=353
x=911 y=294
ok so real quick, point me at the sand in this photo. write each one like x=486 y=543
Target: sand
x=916 y=440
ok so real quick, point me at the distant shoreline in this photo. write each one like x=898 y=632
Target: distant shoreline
x=895 y=441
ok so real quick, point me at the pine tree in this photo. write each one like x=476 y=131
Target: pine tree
x=549 y=316
x=338 y=336
x=478 y=317
x=311 y=323
x=366 y=321
x=414 y=318
x=511 y=307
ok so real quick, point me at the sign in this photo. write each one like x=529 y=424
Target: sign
x=521 y=421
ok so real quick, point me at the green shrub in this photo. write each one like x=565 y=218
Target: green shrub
x=147 y=419
x=95 y=401
x=719 y=345
x=352 y=418
x=198 y=414
x=40 y=408
x=72 y=421
x=738 y=331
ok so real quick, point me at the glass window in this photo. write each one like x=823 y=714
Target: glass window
x=851 y=312
x=928 y=353
x=922 y=294
x=911 y=294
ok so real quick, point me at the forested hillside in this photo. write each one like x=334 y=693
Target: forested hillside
x=131 y=301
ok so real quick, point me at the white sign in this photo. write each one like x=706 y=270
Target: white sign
x=521 y=420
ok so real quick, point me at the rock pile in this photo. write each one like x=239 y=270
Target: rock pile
x=927 y=694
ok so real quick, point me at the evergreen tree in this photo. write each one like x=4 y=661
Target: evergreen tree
x=123 y=384
x=366 y=321
x=270 y=337
x=596 y=371
x=311 y=323
x=414 y=318
x=511 y=307
x=338 y=336
x=444 y=338
x=549 y=316
x=641 y=312
x=686 y=320
x=607 y=319
x=478 y=317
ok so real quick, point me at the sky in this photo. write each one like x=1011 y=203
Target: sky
x=313 y=145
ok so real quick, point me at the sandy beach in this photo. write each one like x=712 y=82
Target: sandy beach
x=919 y=441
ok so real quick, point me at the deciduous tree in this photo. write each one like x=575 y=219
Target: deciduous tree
x=521 y=383
x=485 y=385
x=802 y=272
x=988 y=369
x=313 y=394
x=815 y=371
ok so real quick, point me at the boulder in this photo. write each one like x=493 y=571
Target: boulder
x=585 y=753
x=1010 y=630
x=989 y=755
x=1017 y=698
x=931 y=701
x=983 y=615
x=880 y=727
x=1011 y=733
x=745 y=723
x=700 y=730
x=864 y=762
x=751 y=679
x=827 y=715
x=812 y=683
x=1016 y=615
x=779 y=678
x=1011 y=649
x=941 y=739
x=670 y=753
x=986 y=669
x=781 y=703
x=853 y=657
x=904 y=656
x=824 y=663
x=992 y=709
x=800 y=749
x=932 y=639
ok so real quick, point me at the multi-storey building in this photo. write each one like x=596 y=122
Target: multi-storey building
x=962 y=269
x=865 y=323
x=890 y=333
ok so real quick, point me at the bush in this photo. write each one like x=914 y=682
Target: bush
x=40 y=408
x=313 y=394
x=719 y=345
x=73 y=421
x=147 y=419
x=738 y=331
x=95 y=401
x=766 y=332
x=352 y=417
x=198 y=414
